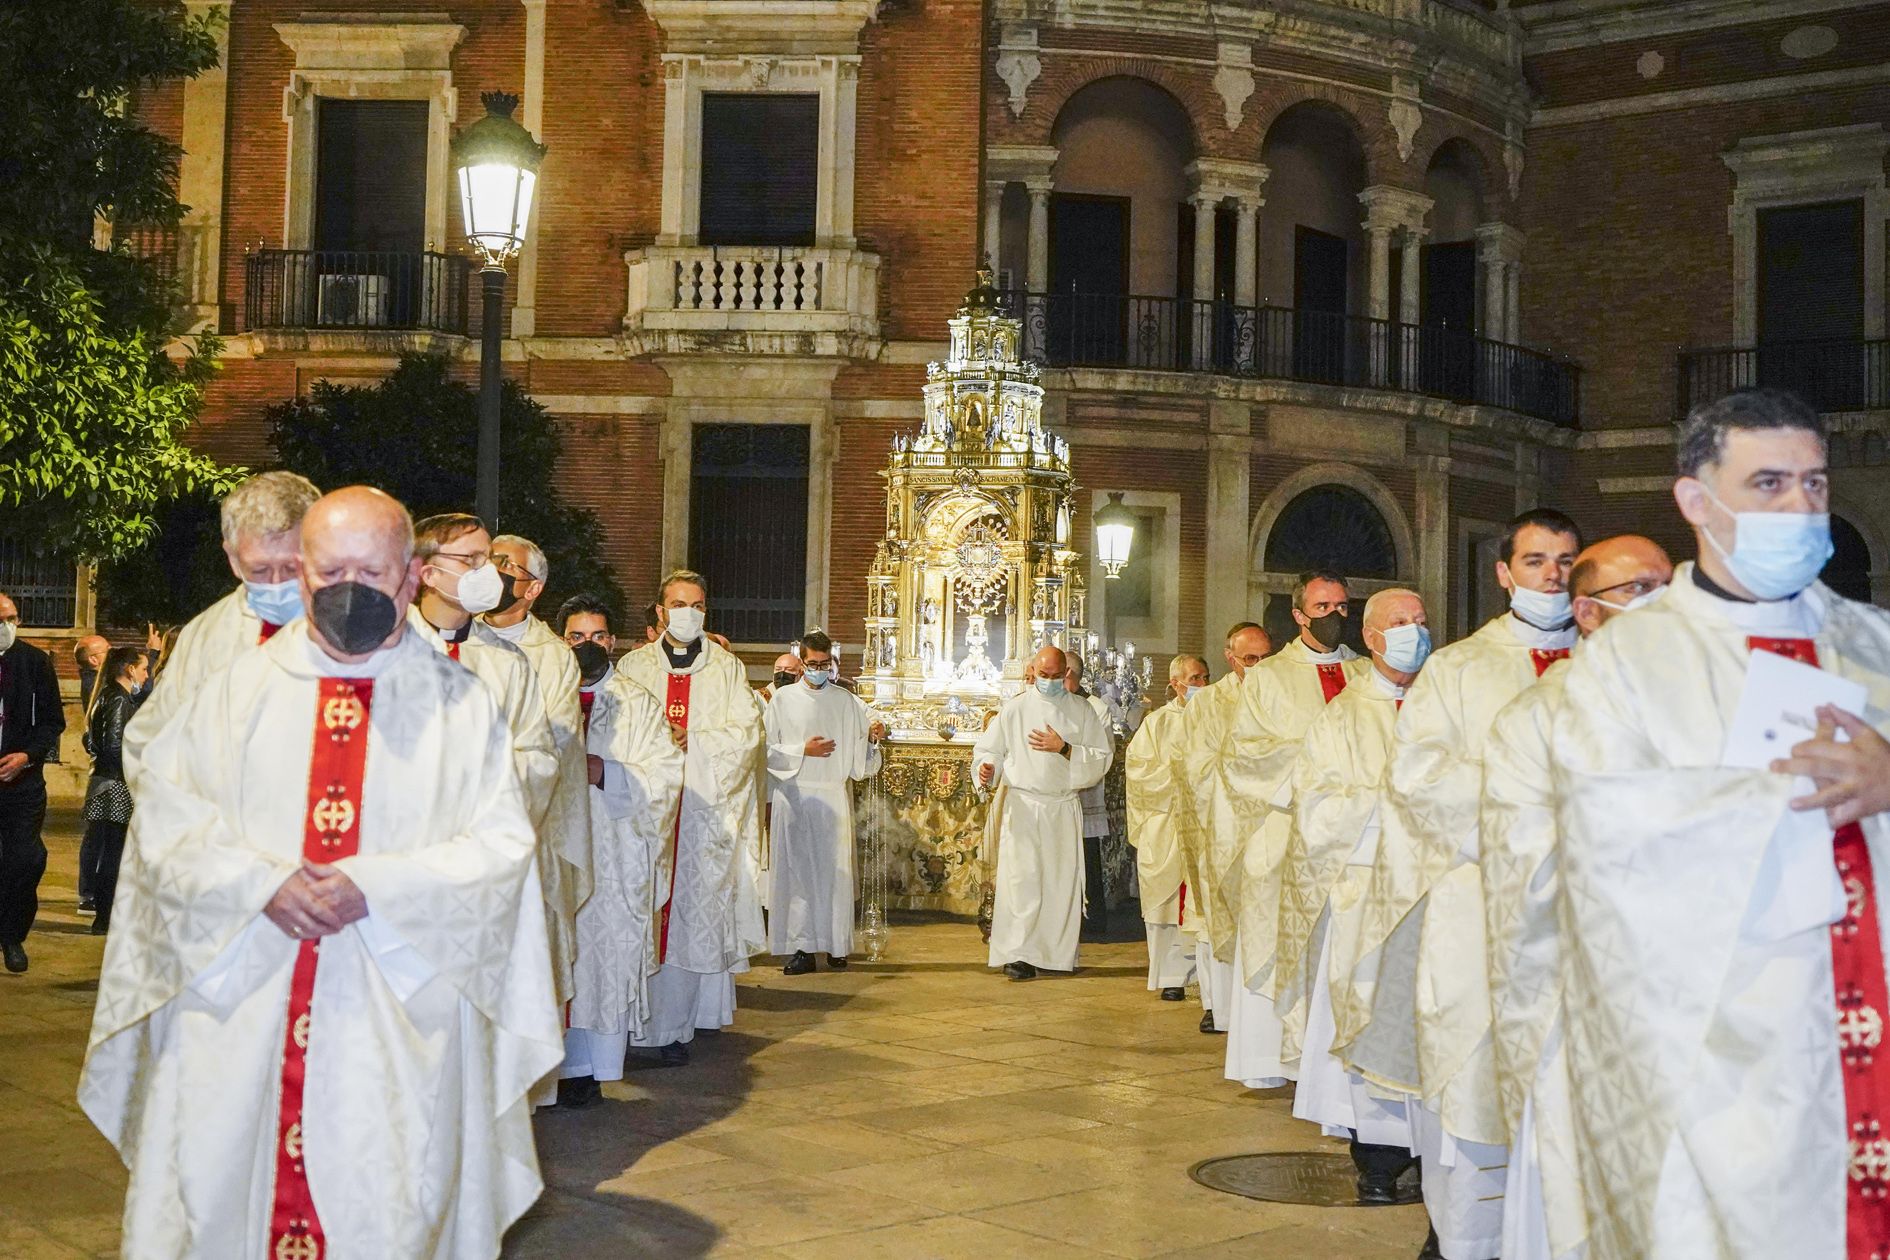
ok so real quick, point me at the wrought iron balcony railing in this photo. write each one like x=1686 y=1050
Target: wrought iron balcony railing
x=357 y=289
x=1849 y=375
x=1281 y=343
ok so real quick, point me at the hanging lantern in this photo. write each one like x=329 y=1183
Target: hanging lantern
x=1115 y=535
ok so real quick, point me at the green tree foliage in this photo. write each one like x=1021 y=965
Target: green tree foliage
x=92 y=409
x=415 y=435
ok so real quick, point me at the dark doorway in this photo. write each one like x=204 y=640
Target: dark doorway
x=1319 y=303
x=1811 y=302
x=748 y=528
x=760 y=168
x=1089 y=278
x=1195 y=317
x=1447 y=297
x=370 y=215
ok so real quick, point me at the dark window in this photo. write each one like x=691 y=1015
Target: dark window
x=1319 y=289
x=1447 y=300
x=1811 y=304
x=1090 y=311
x=748 y=528
x=760 y=168
x=44 y=586
x=371 y=175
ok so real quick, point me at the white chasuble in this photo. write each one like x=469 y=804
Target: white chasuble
x=1703 y=1045
x=1278 y=701
x=633 y=817
x=1427 y=864
x=1160 y=813
x=206 y=646
x=810 y=835
x=363 y=1096
x=1205 y=724
x=1337 y=779
x=708 y=903
x=1038 y=909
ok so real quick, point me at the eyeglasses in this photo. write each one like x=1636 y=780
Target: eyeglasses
x=475 y=561
x=509 y=565
x=1635 y=589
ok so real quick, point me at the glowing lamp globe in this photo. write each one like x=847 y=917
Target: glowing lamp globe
x=498 y=171
x=1115 y=535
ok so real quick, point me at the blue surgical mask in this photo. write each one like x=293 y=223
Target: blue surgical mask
x=818 y=678
x=1775 y=555
x=1407 y=647
x=1541 y=609
x=1051 y=687
x=1191 y=692
x=277 y=603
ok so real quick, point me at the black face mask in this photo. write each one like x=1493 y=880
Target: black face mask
x=354 y=617
x=1329 y=630
x=508 y=589
x=592 y=661
x=784 y=679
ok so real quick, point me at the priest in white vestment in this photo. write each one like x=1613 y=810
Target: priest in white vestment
x=1205 y=727
x=1338 y=780
x=1426 y=873
x=564 y=856
x=1542 y=1209
x=634 y=779
x=326 y=991
x=708 y=904
x=261 y=521
x=821 y=740
x=1161 y=812
x=1046 y=745
x=1278 y=701
x=1725 y=969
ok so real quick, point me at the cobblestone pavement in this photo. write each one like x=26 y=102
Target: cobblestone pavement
x=917 y=1108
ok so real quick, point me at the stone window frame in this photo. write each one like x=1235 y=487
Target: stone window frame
x=833 y=77
x=1803 y=168
x=352 y=59
x=1160 y=633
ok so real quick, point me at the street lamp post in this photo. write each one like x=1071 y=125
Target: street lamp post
x=498 y=173
x=1115 y=540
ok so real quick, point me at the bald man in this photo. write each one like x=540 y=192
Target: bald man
x=1161 y=812
x=788 y=670
x=1543 y=1217
x=327 y=988
x=1046 y=746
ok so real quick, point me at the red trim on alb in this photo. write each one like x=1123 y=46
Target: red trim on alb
x=1331 y=681
x=675 y=712
x=331 y=831
x=1542 y=658
x=1863 y=1001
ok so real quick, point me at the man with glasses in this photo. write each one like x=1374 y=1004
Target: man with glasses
x=564 y=855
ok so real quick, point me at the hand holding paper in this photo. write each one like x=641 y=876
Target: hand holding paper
x=1848 y=761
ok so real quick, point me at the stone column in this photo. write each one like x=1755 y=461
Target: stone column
x=1198 y=317
x=1409 y=305
x=993 y=222
x=1037 y=256
x=1512 y=303
x=1246 y=248
x=1387 y=210
x=1229 y=456
x=1498 y=244
x=525 y=305
x=200 y=179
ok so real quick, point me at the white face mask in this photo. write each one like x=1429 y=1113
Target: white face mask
x=685 y=624
x=479 y=591
x=8 y=633
x=1540 y=609
x=1639 y=601
x=1407 y=647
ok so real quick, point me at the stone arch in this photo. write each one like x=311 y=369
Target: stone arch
x=1363 y=115
x=1065 y=78
x=1315 y=153
x=1271 y=586
x=1857 y=516
x=1476 y=149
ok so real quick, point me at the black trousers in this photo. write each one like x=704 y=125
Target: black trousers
x=1380 y=1162
x=88 y=863
x=22 y=854
x=106 y=841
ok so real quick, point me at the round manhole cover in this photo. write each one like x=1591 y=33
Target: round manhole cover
x=1317 y=1178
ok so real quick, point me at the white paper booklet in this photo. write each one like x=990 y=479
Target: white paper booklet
x=1779 y=708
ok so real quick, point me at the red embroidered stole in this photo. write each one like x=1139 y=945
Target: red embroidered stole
x=452 y=649
x=586 y=699
x=1542 y=658
x=329 y=833
x=268 y=629
x=675 y=712
x=1331 y=680
x=1857 y=973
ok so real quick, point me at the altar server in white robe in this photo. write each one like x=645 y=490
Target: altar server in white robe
x=821 y=740
x=261 y=522
x=1542 y=1209
x=1046 y=746
x=1205 y=727
x=1160 y=808
x=634 y=772
x=564 y=853
x=1338 y=780
x=326 y=991
x=1426 y=872
x=1278 y=701
x=1725 y=979
x=708 y=904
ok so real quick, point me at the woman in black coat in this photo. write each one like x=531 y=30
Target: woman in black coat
x=107 y=799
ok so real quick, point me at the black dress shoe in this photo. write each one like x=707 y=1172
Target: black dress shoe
x=15 y=956
x=836 y=964
x=675 y=1054
x=578 y=1091
x=799 y=965
x=1020 y=971
x=1207 y=1023
x=1432 y=1250
x=1174 y=993
x=101 y=926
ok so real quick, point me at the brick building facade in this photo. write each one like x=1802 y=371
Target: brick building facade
x=1356 y=279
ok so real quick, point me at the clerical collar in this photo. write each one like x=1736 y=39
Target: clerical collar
x=455 y=636
x=513 y=633
x=1798 y=616
x=1320 y=658
x=1385 y=685
x=680 y=657
x=1535 y=637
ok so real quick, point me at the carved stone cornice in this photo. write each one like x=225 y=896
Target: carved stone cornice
x=789 y=27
